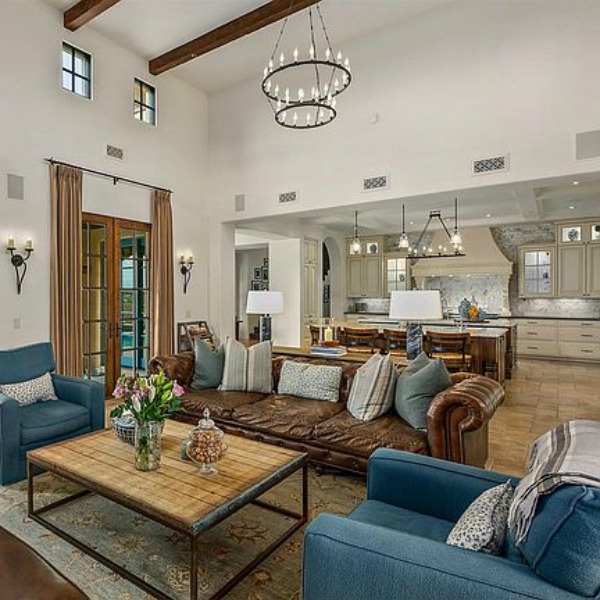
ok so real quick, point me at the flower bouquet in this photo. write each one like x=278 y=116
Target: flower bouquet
x=146 y=402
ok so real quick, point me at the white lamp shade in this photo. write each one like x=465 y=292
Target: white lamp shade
x=264 y=303
x=416 y=305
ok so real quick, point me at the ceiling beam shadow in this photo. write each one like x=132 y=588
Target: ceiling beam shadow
x=229 y=32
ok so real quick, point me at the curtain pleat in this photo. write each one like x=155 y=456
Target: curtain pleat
x=65 y=269
x=161 y=266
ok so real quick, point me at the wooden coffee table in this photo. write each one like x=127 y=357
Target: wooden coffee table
x=176 y=495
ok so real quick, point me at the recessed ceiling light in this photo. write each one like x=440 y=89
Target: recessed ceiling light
x=489 y=216
x=572 y=207
x=576 y=183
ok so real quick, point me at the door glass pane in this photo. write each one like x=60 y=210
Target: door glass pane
x=531 y=273
x=127 y=335
x=96 y=272
x=531 y=258
x=141 y=242
x=127 y=305
x=142 y=333
x=126 y=243
x=98 y=337
x=544 y=258
x=127 y=275
x=97 y=304
x=128 y=362
x=143 y=274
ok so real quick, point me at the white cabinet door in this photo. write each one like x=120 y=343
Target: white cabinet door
x=571 y=271
x=593 y=270
x=372 y=277
x=354 y=277
x=311 y=300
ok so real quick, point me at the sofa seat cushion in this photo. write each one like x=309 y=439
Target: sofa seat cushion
x=46 y=420
x=221 y=404
x=385 y=515
x=358 y=437
x=288 y=416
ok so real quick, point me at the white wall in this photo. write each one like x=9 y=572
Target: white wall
x=38 y=119
x=469 y=80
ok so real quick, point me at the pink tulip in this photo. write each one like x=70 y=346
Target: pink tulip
x=135 y=402
x=178 y=391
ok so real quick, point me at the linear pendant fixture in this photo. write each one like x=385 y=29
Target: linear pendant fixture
x=302 y=90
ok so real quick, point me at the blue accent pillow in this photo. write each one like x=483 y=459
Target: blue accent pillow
x=563 y=543
x=415 y=391
x=417 y=364
x=208 y=366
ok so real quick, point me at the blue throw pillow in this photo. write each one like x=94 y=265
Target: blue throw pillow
x=208 y=366
x=563 y=543
x=415 y=392
x=417 y=364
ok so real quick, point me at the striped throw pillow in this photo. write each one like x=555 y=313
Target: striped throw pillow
x=247 y=369
x=372 y=392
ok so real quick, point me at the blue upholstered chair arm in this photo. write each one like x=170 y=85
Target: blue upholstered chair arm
x=350 y=560
x=426 y=485
x=10 y=437
x=82 y=391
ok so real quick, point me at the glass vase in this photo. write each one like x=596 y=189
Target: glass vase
x=147 y=445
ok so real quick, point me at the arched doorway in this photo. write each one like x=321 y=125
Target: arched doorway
x=333 y=280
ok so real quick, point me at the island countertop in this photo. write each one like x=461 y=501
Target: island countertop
x=482 y=332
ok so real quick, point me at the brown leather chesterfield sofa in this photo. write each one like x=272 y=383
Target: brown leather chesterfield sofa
x=25 y=575
x=457 y=420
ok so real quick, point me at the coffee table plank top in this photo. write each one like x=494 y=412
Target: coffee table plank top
x=175 y=494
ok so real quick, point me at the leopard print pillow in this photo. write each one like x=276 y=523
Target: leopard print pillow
x=29 y=392
x=482 y=527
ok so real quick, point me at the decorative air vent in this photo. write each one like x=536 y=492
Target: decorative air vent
x=288 y=197
x=379 y=182
x=240 y=203
x=114 y=152
x=492 y=164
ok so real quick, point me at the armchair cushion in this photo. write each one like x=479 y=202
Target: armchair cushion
x=30 y=391
x=46 y=420
x=392 y=517
x=21 y=364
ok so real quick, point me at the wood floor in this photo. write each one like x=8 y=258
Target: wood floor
x=541 y=395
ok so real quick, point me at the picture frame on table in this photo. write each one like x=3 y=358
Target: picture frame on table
x=188 y=331
x=257 y=273
x=255 y=286
x=265 y=274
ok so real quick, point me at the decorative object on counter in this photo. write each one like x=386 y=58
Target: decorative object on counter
x=325 y=75
x=418 y=251
x=19 y=261
x=265 y=304
x=186 y=264
x=149 y=401
x=469 y=310
x=415 y=306
x=206 y=445
x=355 y=246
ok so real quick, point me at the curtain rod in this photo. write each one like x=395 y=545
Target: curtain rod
x=116 y=178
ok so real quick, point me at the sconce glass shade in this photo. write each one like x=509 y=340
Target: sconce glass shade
x=264 y=303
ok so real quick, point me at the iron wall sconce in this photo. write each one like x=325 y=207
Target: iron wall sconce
x=19 y=261
x=185 y=268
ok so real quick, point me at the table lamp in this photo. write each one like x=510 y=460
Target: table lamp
x=264 y=304
x=415 y=306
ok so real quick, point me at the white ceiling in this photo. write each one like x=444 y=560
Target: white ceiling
x=152 y=27
x=550 y=200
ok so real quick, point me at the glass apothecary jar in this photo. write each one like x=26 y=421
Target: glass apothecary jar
x=206 y=445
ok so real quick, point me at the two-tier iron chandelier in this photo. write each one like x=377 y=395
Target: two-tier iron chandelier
x=302 y=89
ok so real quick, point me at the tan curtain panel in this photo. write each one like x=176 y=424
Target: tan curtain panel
x=65 y=269
x=161 y=266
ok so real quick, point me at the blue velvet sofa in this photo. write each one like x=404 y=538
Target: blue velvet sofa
x=78 y=410
x=392 y=546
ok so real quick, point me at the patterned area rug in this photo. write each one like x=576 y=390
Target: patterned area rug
x=162 y=555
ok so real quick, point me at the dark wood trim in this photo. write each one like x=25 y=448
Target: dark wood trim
x=229 y=32
x=84 y=11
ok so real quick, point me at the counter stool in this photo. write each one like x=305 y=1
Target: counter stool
x=453 y=348
x=395 y=341
x=361 y=339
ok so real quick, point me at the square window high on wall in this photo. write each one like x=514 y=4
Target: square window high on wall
x=144 y=102
x=76 y=71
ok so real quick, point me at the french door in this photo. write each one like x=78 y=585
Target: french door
x=116 y=298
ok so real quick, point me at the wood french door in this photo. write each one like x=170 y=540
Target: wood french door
x=116 y=298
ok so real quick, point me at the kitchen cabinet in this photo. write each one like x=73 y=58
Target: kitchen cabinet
x=310 y=282
x=537 y=271
x=364 y=272
x=397 y=275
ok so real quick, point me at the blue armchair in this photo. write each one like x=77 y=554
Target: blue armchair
x=392 y=546
x=78 y=410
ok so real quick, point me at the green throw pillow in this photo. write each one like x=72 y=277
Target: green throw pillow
x=208 y=366
x=415 y=391
x=417 y=364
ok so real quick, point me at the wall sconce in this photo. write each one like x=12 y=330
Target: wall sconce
x=185 y=268
x=18 y=261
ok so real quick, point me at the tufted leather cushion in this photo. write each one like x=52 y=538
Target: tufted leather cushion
x=221 y=404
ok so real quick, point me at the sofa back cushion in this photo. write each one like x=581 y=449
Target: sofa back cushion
x=372 y=393
x=247 y=369
x=415 y=392
x=563 y=542
x=208 y=365
x=317 y=382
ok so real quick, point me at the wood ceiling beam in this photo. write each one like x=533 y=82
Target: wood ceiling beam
x=229 y=32
x=84 y=11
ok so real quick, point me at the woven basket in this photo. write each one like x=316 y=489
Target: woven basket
x=124 y=428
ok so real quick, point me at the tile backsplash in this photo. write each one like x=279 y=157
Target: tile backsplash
x=486 y=289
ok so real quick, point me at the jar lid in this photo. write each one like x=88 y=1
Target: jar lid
x=206 y=422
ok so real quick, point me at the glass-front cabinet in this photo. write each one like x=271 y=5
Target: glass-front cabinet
x=537 y=271
x=397 y=276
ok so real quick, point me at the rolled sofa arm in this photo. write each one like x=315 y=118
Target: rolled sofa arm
x=457 y=420
x=177 y=367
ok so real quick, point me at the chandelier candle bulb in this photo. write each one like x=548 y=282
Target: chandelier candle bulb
x=311 y=52
x=10 y=244
x=328 y=54
x=295 y=54
x=339 y=57
x=282 y=59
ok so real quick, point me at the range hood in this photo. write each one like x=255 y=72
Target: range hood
x=483 y=257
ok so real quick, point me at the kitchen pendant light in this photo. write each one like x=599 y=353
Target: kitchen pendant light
x=355 y=245
x=456 y=238
x=403 y=243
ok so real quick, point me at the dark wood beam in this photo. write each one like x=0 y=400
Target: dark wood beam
x=249 y=23
x=84 y=11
